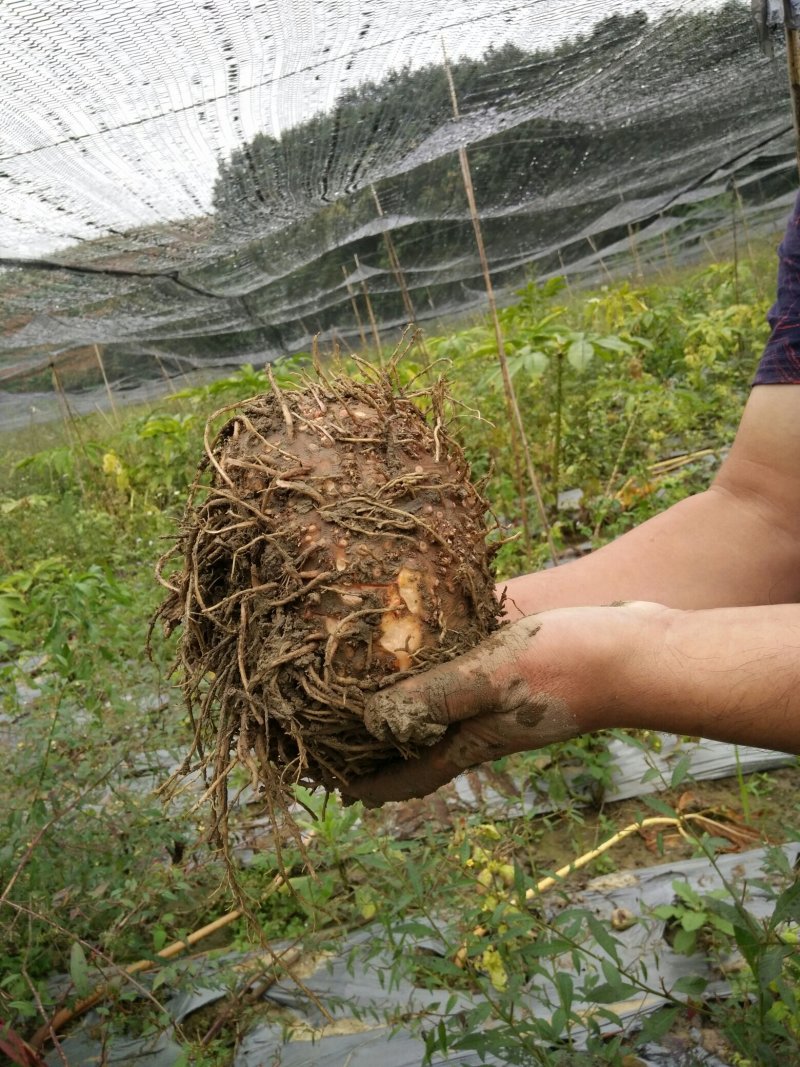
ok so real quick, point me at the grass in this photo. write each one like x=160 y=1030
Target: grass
x=96 y=874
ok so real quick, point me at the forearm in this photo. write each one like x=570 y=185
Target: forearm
x=710 y=550
x=736 y=544
x=721 y=660
x=730 y=674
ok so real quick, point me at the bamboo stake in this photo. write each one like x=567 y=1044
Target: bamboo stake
x=61 y=1018
x=255 y=988
x=757 y=277
x=400 y=278
x=743 y=218
x=109 y=422
x=633 y=243
x=670 y=263
x=588 y=857
x=354 y=303
x=600 y=260
x=735 y=229
x=558 y=429
x=371 y=314
x=102 y=367
x=508 y=385
x=58 y=390
x=564 y=274
x=394 y=261
x=709 y=249
x=70 y=423
x=634 y=247
x=673 y=463
x=164 y=374
x=617 y=463
x=545 y=884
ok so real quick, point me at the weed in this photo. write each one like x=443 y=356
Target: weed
x=628 y=395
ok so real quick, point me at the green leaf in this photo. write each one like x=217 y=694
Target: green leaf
x=787 y=906
x=602 y=937
x=558 y=1022
x=685 y=942
x=580 y=353
x=552 y=947
x=680 y=771
x=685 y=892
x=525 y=361
x=79 y=969
x=566 y=988
x=691 y=984
x=770 y=964
x=665 y=911
x=660 y=807
x=611 y=993
x=24 y=1008
x=413 y=928
x=723 y=925
x=412 y=873
x=693 y=920
x=656 y=1025
x=614 y=344
x=536 y=362
x=731 y=915
x=479 y=1015
x=748 y=944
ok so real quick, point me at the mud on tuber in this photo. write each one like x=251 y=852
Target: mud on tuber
x=333 y=543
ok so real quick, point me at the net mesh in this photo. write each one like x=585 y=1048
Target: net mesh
x=191 y=185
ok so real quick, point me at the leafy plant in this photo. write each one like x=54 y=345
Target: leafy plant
x=628 y=394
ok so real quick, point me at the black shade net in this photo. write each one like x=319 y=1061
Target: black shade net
x=195 y=184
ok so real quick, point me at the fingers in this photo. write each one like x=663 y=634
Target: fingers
x=419 y=709
x=516 y=691
x=466 y=745
x=407 y=779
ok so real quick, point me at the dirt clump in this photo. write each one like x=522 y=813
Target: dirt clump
x=333 y=543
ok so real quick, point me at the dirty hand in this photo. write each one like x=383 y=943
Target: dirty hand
x=545 y=678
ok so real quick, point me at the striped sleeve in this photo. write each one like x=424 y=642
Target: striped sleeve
x=780 y=362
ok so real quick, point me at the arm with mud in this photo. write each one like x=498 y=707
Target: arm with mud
x=717 y=656
x=731 y=674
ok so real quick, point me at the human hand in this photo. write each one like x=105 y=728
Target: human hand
x=546 y=678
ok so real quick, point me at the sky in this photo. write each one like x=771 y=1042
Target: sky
x=115 y=113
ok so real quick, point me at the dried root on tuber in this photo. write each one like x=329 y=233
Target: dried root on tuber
x=333 y=543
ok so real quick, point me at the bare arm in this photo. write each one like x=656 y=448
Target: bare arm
x=732 y=674
x=737 y=543
x=725 y=664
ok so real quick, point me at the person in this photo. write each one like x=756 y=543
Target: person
x=689 y=623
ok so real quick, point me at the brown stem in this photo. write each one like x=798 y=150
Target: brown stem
x=102 y=367
x=400 y=278
x=352 y=294
x=375 y=335
x=508 y=385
